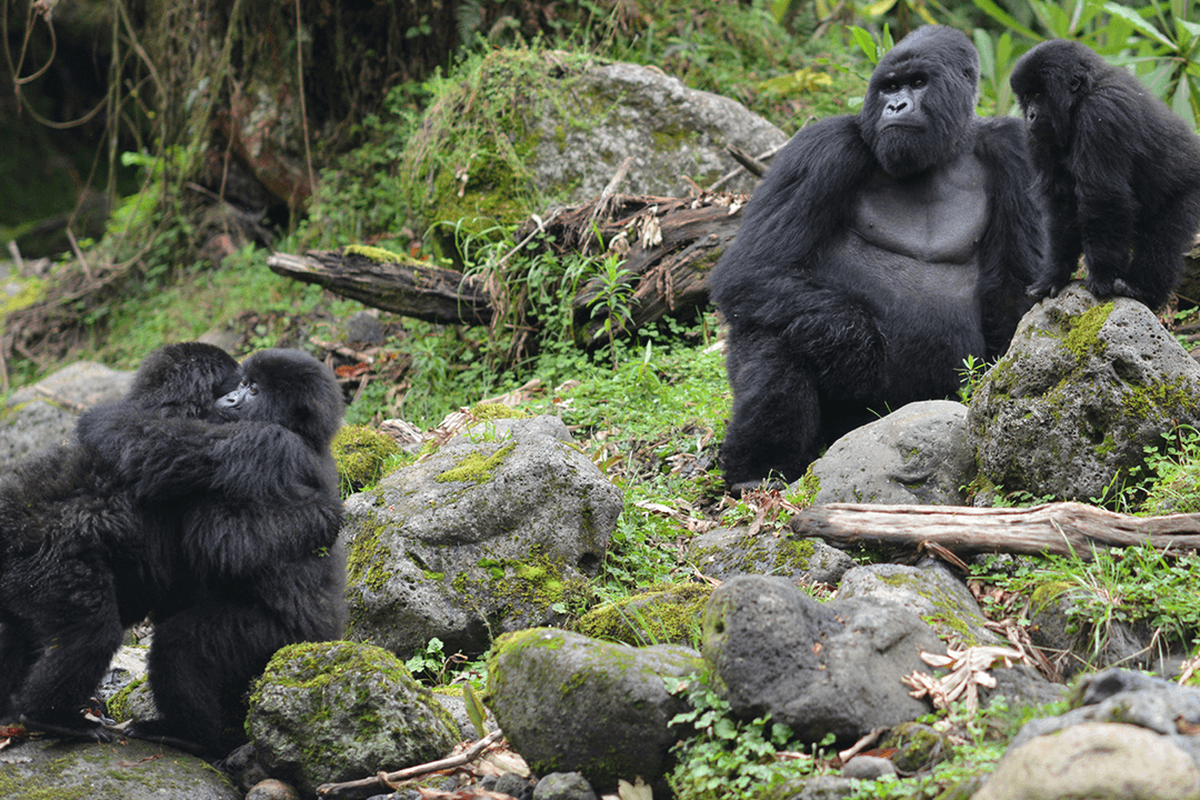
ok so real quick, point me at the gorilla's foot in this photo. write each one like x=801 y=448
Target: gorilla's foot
x=764 y=485
x=91 y=733
x=1043 y=289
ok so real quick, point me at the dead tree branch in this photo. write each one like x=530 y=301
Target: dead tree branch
x=1055 y=528
x=386 y=780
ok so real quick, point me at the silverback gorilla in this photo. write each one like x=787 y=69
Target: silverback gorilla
x=259 y=515
x=76 y=564
x=880 y=250
x=1120 y=171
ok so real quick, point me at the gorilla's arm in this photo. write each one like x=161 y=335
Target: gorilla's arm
x=168 y=458
x=806 y=198
x=1013 y=250
x=261 y=495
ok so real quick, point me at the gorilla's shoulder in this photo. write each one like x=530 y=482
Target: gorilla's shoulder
x=820 y=146
x=1000 y=139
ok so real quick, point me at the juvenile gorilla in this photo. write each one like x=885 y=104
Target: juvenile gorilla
x=879 y=251
x=1120 y=172
x=259 y=515
x=76 y=565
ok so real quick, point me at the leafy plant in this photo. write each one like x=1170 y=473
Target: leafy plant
x=1133 y=585
x=971 y=373
x=432 y=664
x=721 y=757
x=613 y=298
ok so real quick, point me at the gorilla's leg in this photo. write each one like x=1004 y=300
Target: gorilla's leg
x=74 y=620
x=15 y=657
x=1158 y=264
x=775 y=430
x=1066 y=245
x=202 y=659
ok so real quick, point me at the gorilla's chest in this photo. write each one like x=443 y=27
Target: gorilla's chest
x=937 y=218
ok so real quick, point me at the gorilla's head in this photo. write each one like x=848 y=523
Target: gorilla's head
x=288 y=388
x=921 y=100
x=1049 y=81
x=182 y=379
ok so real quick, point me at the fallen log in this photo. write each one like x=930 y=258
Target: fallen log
x=1054 y=528
x=394 y=283
x=667 y=245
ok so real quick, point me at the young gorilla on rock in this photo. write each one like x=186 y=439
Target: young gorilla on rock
x=260 y=515
x=879 y=252
x=76 y=564
x=1120 y=172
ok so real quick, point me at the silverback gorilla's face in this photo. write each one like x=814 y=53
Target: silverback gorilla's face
x=920 y=101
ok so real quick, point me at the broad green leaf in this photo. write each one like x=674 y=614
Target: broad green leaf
x=1139 y=24
x=1004 y=18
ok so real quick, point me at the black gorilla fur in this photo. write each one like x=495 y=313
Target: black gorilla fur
x=259 y=514
x=1119 y=170
x=76 y=565
x=880 y=251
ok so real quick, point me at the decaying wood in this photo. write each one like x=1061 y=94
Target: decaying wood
x=668 y=247
x=405 y=286
x=387 y=780
x=1055 y=528
x=672 y=245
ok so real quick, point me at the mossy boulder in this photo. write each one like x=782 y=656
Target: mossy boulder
x=519 y=129
x=724 y=552
x=1085 y=387
x=496 y=531
x=668 y=614
x=50 y=769
x=336 y=711
x=569 y=703
x=360 y=453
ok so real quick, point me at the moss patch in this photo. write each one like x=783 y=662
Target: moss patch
x=361 y=453
x=475 y=467
x=668 y=613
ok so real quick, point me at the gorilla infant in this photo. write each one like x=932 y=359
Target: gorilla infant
x=1119 y=170
x=258 y=517
x=879 y=251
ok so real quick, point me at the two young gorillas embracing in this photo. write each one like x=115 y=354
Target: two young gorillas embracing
x=220 y=518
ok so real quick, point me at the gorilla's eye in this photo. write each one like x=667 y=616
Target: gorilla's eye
x=917 y=83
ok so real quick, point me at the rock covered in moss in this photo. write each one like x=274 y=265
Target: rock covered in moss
x=51 y=769
x=916 y=454
x=336 y=711
x=1084 y=388
x=931 y=591
x=489 y=534
x=360 y=453
x=569 y=703
x=668 y=614
x=724 y=552
x=819 y=668
x=524 y=127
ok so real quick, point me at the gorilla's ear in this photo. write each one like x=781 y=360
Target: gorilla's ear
x=1080 y=80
